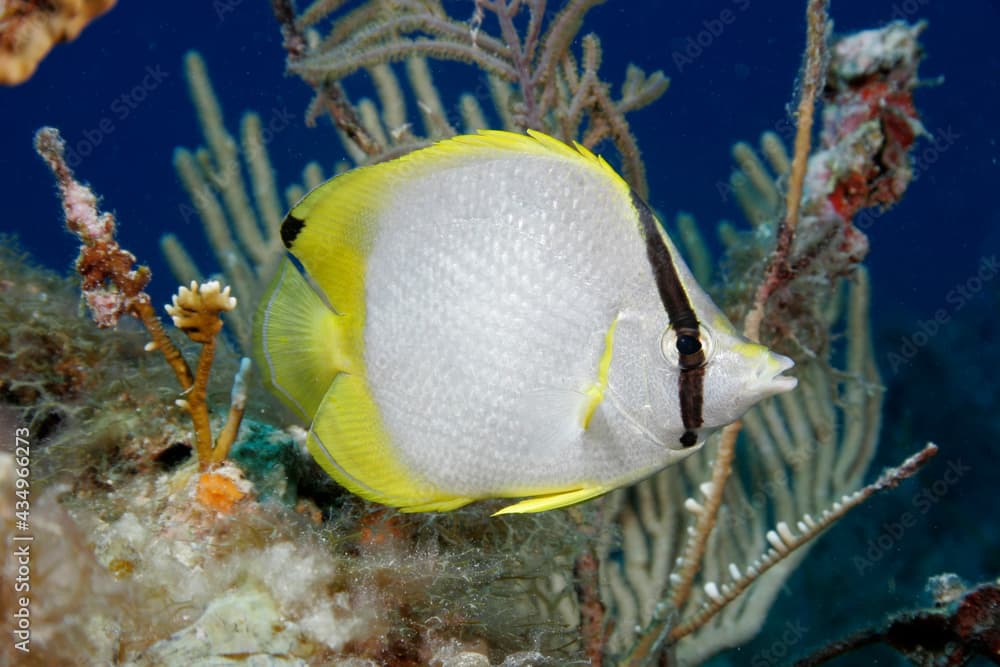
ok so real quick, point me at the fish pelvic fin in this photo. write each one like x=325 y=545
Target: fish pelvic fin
x=553 y=501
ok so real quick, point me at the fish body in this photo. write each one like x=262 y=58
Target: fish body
x=497 y=316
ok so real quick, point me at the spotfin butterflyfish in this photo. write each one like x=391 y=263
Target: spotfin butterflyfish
x=497 y=316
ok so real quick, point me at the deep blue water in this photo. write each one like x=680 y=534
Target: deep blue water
x=119 y=96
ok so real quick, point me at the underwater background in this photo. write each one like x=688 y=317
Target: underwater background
x=119 y=96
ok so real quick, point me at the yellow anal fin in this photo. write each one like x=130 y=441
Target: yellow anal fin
x=446 y=505
x=595 y=393
x=349 y=442
x=553 y=500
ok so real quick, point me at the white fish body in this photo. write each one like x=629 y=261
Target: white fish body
x=485 y=318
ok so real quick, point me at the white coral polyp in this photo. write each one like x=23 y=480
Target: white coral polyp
x=192 y=303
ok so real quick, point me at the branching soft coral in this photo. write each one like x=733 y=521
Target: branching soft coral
x=113 y=286
x=870 y=125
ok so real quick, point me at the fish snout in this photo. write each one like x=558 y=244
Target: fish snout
x=768 y=379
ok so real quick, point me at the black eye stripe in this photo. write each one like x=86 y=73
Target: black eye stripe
x=668 y=284
x=690 y=385
x=691 y=389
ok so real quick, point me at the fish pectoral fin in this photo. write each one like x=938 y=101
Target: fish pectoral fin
x=595 y=392
x=553 y=501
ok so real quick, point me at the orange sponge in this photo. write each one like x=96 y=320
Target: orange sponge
x=30 y=28
x=220 y=492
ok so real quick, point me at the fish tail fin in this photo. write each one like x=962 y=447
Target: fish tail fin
x=299 y=341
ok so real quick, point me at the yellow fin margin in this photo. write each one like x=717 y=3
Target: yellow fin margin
x=347 y=439
x=539 y=143
x=337 y=221
x=553 y=500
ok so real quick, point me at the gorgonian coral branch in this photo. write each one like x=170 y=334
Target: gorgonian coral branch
x=542 y=87
x=112 y=287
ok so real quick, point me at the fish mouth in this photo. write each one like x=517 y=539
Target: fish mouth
x=769 y=376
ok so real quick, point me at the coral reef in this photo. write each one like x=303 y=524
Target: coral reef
x=262 y=560
x=788 y=277
x=43 y=369
x=59 y=375
x=144 y=575
x=30 y=28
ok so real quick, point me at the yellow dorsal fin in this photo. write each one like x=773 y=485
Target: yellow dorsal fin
x=533 y=143
x=331 y=229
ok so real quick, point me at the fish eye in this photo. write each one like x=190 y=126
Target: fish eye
x=687 y=344
x=678 y=349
